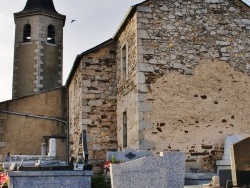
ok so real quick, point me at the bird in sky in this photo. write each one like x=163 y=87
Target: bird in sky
x=73 y=21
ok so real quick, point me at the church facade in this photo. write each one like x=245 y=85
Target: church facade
x=175 y=76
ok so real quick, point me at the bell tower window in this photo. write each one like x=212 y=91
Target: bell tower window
x=27 y=33
x=51 y=34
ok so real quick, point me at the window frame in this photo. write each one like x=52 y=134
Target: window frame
x=51 y=34
x=27 y=33
x=124 y=62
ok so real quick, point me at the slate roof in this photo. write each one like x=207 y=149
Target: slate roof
x=40 y=7
x=47 y=5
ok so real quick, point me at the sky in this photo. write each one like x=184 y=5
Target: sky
x=96 y=22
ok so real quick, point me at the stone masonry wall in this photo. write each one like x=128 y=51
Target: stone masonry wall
x=25 y=134
x=194 y=59
x=37 y=64
x=97 y=105
x=75 y=113
x=127 y=90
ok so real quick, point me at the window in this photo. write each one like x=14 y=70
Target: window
x=124 y=62
x=26 y=33
x=125 y=130
x=51 y=34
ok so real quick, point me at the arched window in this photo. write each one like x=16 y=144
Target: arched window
x=51 y=34
x=26 y=33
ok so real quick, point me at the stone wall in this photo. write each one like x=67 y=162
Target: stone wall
x=195 y=94
x=127 y=89
x=96 y=101
x=194 y=56
x=75 y=113
x=24 y=133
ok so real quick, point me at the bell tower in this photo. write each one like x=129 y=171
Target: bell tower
x=38 y=51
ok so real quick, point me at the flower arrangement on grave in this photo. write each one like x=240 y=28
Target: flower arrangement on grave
x=106 y=167
x=4 y=180
x=107 y=163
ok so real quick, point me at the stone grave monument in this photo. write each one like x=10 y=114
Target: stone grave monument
x=225 y=162
x=163 y=171
x=240 y=162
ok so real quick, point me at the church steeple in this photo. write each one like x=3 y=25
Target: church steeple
x=40 y=4
x=38 y=48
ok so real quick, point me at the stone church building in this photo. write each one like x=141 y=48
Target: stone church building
x=175 y=76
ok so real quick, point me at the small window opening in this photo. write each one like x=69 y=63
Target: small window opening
x=124 y=62
x=125 y=130
x=27 y=33
x=51 y=34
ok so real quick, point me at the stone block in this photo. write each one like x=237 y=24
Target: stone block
x=145 y=67
x=245 y=21
x=143 y=20
x=144 y=107
x=247 y=66
x=142 y=88
x=154 y=171
x=214 y=1
x=88 y=96
x=145 y=125
x=88 y=72
x=87 y=121
x=141 y=78
x=95 y=103
x=143 y=9
x=96 y=147
x=143 y=34
x=86 y=83
x=145 y=50
x=86 y=109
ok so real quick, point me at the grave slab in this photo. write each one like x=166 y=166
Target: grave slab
x=50 y=179
x=153 y=171
x=198 y=178
x=225 y=175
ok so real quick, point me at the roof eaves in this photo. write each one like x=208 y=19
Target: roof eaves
x=79 y=57
x=126 y=19
x=40 y=11
x=245 y=3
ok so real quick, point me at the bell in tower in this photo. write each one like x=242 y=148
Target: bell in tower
x=38 y=55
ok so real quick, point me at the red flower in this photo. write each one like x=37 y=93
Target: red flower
x=106 y=165
x=3 y=178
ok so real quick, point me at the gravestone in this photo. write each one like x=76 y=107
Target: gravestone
x=127 y=155
x=198 y=178
x=225 y=162
x=240 y=162
x=225 y=175
x=153 y=171
x=50 y=179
